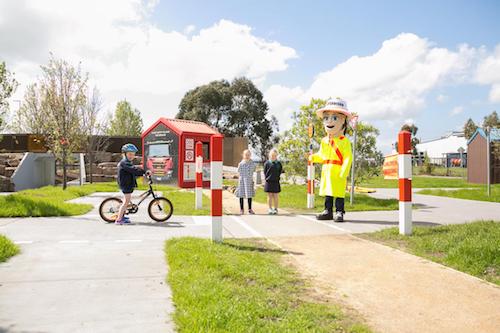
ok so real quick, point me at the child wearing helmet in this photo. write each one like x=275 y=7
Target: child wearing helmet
x=127 y=173
x=336 y=156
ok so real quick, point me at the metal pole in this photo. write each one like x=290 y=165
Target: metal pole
x=488 y=162
x=353 y=165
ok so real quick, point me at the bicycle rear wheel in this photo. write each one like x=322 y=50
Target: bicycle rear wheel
x=160 y=209
x=109 y=209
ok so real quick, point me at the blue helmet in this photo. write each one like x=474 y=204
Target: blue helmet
x=129 y=148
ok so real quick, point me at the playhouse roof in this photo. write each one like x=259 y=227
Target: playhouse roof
x=494 y=134
x=181 y=126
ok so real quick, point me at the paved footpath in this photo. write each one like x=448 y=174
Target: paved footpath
x=78 y=274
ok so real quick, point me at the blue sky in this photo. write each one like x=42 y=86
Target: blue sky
x=435 y=63
x=325 y=33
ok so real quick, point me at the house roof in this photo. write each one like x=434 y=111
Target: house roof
x=494 y=134
x=181 y=126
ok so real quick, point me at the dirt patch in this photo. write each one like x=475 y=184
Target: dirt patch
x=393 y=290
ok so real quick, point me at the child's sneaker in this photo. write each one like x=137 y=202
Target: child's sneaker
x=242 y=212
x=275 y=211
x=126 y=220
x=251 y=212
x=120 y=222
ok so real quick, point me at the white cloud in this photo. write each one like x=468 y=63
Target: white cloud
x=126 y=55
x=282 y=102
x=488 y=72
x=393 y=82
x=189 y=29
x=456 y=110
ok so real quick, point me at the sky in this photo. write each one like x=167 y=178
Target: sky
x=432 y=63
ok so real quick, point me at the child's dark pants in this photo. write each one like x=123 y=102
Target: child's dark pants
x=249 y=203
x=339 y=204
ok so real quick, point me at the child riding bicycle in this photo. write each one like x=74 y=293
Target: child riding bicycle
x=127 y=174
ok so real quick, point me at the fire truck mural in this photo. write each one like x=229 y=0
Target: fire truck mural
x=161 y=154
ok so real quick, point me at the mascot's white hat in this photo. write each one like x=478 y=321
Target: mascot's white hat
x=337 y=105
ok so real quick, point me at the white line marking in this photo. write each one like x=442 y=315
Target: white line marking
x=324 y=223
x=128 y=240
x=202 y=220
x=254 y=232
x=23 y=242
x=74 y=241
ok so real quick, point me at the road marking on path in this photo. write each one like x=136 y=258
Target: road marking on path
x=74 y=241
x=254 y=232
x=324 y=223
x=23 y=242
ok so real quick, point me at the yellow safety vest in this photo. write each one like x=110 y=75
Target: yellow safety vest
x=336 y=156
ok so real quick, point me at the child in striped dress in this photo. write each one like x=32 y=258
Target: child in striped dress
x=246 y=189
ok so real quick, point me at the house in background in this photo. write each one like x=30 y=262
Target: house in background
x=440 y=149
x=477 y=157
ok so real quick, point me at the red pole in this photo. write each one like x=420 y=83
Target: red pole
x=199 y=176
x=216 y=142
x=404 y=175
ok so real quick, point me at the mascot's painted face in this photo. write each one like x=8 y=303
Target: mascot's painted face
x=334 y=123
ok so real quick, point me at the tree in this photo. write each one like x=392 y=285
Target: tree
x=63 y=89
x=369 y=159
x=491 y=120
x=8 y=85
x=294 y=143
x=469 y=128
x=126 y=121
x=53 y=107
x=234 y=109
x=93 y=128
x=413 y=129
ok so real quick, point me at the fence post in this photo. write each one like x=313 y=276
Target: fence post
x=216 y=142
x=404 y=175
x=310 y=184
x=199 y=176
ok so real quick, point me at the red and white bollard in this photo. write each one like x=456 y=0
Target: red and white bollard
x=216 y=185
x=404 y=175
x=310 y=184
x=198 y=190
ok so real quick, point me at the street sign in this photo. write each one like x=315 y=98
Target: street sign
x=311 y=130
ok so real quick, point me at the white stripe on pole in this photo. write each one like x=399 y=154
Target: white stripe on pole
x=404 y=166
x=216 y=175
x=310 y=186
x=217 y=228
x=405 y=218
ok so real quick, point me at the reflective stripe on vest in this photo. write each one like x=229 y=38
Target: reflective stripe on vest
x=339 y=155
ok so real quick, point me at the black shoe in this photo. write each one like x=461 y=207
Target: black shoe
x=324 y=215
x=338 y=217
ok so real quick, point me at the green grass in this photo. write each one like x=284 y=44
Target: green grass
x=244 y=286
x=294 y=197
x=419 y=182
x=7 y=248
x=472 y=248
x=471 y=194
x=51 y=200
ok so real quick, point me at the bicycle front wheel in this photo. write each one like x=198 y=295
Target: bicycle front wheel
x=109 y=209
x=160 y=209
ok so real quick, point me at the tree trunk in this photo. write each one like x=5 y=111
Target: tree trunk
x=91 y=166
x=65 y=179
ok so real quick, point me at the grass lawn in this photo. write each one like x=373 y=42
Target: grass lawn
x=7 y=248
x=294 y=197
x=419 y=182
x=245 y=286
x=471 y=194
x=441 y=171
x=472 y=248
x=51 y=200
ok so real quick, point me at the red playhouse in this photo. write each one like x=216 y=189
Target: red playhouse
x=168 y=150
